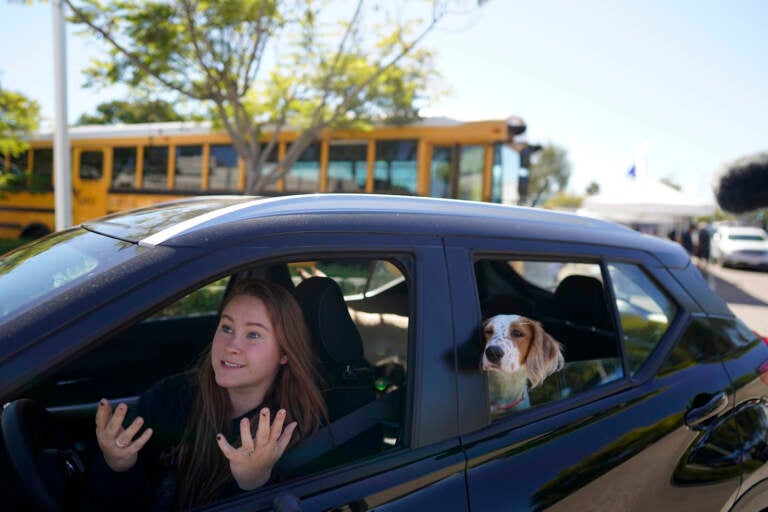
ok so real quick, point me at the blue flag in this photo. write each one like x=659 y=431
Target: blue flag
x=631 y=172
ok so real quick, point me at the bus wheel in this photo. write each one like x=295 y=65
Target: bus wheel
x=34 y=231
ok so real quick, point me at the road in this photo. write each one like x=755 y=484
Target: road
x=746 y=292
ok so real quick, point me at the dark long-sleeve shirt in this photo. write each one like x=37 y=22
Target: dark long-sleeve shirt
x=149 y=484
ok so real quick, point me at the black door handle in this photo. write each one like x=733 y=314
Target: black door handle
x=704 y=407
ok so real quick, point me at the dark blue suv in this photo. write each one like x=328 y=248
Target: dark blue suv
x=660 y=404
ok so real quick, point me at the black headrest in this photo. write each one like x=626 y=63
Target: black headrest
x=508 y=305
x=334 y=334
x=580 y=299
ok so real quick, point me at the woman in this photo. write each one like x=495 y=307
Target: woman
x=210 y=433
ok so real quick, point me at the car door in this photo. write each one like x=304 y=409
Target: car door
x=426 y=466
x=638 y=418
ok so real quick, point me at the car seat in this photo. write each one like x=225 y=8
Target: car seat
x=348 y=378
x=584 y=324
x=580 y=299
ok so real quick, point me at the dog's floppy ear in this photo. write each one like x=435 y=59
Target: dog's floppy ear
x=545 y=355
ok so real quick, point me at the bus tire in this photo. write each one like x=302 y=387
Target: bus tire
x=34 y=231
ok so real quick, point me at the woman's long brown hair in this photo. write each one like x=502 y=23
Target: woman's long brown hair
x=203 y=471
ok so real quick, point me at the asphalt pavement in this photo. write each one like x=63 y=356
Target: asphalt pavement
x=745 y=291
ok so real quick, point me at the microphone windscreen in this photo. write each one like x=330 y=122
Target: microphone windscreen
x=743 y=184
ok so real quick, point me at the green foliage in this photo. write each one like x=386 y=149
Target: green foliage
x=19 y=118
x=593 y=188
x=269 y=65
x=204 y=300
x=131 y=112
x=551 y=171
x=563 y=200
x=7 y=244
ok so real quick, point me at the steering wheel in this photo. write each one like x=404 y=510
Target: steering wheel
x=52 y=474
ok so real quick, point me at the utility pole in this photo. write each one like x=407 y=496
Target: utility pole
x=62 y=176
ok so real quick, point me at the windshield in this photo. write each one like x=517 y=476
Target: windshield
x=50 y=265
x=747 y=237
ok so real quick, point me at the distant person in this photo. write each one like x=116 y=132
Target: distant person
x=704 y=245
x=686 y=240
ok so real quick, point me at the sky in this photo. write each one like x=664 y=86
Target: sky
x=677 y=89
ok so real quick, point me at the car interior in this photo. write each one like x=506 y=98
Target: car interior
x=357 y=311
x=571 y=303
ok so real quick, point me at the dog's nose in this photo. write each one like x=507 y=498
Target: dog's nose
x=494 y=353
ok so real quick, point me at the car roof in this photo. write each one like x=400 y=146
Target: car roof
x=742 y=229
x=193 y=221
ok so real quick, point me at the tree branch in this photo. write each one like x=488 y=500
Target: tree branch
x=135 y=60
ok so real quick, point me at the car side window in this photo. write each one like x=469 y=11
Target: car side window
x=569 y=301
x=376 y=300
x=358 y=315
x=645 y=312
x=202 y=301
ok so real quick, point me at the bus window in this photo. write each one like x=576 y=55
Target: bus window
x=440 y=171
x=124 y=168
x=497 y=175
x=91 y=165
x=189 y=168
x=471 y=173
x=222 y=168
x=394 y=171
x=506 y=167
x=15 y=175
x=155 y=167
x=20 y=163
x=42 y=168
x=304 y=176
x=347 y=166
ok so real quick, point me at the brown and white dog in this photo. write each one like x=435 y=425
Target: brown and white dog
x=517 y=351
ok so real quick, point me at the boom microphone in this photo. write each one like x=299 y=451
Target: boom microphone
x=743 y=184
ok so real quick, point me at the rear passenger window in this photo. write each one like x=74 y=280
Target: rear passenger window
x=570 y=302
x=645 y=312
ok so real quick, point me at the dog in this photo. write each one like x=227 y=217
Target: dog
x=517 y=350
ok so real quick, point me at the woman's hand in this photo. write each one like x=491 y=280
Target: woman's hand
x=252 y=463
x=117 y=444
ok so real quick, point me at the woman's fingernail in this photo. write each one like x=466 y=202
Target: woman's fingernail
x=218 y=437
x=264 y=412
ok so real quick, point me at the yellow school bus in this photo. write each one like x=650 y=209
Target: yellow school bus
x=116 y=167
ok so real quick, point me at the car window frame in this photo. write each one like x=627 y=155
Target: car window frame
x=430 y=425
x=467 y=250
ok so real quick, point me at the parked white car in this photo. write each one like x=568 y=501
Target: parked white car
x=740 y=246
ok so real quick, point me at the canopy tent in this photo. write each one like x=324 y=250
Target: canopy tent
x=640 y=200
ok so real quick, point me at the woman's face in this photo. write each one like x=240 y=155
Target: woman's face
x=245 y=354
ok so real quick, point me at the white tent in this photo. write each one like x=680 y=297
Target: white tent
x=645 y=201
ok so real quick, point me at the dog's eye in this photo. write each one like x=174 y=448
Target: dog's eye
x=488 y=331
x=517 y=333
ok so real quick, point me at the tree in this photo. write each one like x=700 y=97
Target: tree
x=564 y=200
x=268 y=65
x=551 y=170
x=19 y=119
x=593 y=188
x=140 y=111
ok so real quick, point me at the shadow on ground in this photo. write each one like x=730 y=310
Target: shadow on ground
x=731 y=293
